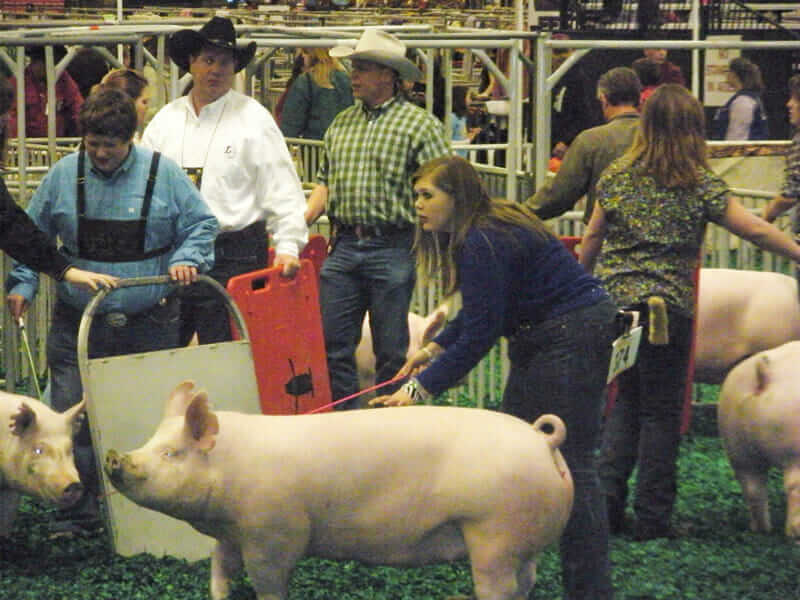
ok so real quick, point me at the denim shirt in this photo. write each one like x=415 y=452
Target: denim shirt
x=178 y=219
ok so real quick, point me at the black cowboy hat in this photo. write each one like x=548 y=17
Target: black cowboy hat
x=218 y=32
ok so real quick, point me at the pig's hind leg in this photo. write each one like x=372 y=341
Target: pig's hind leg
x=226 y=562
x=501 y=570
x=791 y=486
x=754 y=489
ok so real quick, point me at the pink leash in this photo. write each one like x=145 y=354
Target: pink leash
x=356 y=395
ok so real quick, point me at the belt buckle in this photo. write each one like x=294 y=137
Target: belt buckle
x=116 y=319
x=523 y=329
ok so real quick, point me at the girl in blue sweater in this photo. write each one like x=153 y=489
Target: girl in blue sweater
x=518 y=280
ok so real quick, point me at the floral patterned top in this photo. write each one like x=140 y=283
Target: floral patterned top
x=654 y=235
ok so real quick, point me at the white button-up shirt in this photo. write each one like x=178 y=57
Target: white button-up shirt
x=247 y=171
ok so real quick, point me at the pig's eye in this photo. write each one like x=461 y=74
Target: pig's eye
x=171 y=453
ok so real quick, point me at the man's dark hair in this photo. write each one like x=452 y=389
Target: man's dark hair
x=109 y=112
x=620 y=86
x=648 y=71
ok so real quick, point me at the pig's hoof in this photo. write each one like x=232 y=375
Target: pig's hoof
x=75 y=529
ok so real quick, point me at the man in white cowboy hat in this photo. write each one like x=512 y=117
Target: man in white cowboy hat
x=234 y=151
x=364 y=184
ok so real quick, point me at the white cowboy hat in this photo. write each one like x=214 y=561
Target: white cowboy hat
x=376 y=45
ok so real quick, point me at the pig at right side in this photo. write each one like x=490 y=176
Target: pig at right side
x=393 y=486
x=740 y=313
x=759 y=422
x=36 y=455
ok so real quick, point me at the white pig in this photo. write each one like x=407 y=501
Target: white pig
x=421 y=330
x=759 y=421
x=740 y=313
x=395 y=486
x=36 y=455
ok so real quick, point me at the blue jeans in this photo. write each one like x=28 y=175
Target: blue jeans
x=644 y=426
x=560 y=367
x=373 y=274
x=153 y=329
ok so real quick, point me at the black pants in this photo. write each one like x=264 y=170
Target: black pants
x=560 y=367
x=203 y=310
x=644 y=426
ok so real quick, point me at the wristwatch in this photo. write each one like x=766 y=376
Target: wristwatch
x=417 y=393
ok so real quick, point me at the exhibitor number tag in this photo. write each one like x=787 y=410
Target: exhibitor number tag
x=623 y=353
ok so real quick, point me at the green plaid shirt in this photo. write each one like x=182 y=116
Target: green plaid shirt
x=369 y=157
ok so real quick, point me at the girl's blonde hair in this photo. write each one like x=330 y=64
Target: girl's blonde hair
x=322 y=66
x=472 y=207
x=670 y=144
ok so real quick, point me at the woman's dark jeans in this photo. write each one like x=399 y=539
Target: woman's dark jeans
x=560 y=366
x=645 y=426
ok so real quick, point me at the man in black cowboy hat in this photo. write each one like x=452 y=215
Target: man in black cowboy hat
x=68 y=98
x=232 y=148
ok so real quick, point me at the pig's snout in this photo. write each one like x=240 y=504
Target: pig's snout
x=119 y=467
x=71 y=494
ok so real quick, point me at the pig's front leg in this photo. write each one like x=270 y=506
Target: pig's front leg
x=269 y=564
x=9 y=501
x=754 y=489
x=226 y=561
x=791 y=485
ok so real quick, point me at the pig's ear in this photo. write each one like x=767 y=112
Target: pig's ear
x=23 y=421
x=202 y=425
x=179 y=399
x=76 y=415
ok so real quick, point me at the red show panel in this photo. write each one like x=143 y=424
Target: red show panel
x=285 y=327
x=571 y=242
x=316 y=251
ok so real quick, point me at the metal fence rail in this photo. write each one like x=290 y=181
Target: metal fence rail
x=487 y=379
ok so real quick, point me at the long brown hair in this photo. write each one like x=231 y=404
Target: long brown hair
x=670 y=143
x=472 y=207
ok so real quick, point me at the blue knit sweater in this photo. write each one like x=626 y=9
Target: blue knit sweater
x=507 y=277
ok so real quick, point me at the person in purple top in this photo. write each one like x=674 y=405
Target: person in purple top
x=517 y=280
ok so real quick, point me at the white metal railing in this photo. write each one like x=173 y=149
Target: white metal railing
x=524 y=158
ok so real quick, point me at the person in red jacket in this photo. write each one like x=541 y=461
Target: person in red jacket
x=68 y=98
x=670 y=72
